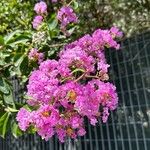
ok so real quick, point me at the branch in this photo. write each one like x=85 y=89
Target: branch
x=88 y=76
x=70 y=3
x=80 y=77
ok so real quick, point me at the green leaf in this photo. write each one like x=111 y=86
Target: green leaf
x=31 y=130
x=3 y=87
x=4 y=122
x=22 y=41
x=2 y=63
x=16 y=57
x=10 y=37
x=24 y=65
x=8 y=97
x=53 y=24
x=17 y=37
x=1 y=40
x=18 y=62
x=75 y=5
x=27 y=107
x=16 y=130
x=71 y=30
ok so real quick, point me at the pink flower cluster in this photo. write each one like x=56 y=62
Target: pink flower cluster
x=37 y=21
x=66 y=16
x=41 y=9
x=34 y=55
x=65 y=91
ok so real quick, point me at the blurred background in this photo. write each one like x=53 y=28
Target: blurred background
x=132 y=16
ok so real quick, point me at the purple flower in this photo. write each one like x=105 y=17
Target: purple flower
x=63 y=93
x=115 y=32
x=23 y=117
x=45 y=115
x=35 y=55
x=46 y=132
x=103 y=66
x=66 y=15
x=93 y=121
x=81 y=132
x=48 y=66
x=76 y=122
x=40 y=8
x=41 y=87
x=78 y=58
x=37 y=21
x=105 y=115
x=61 y=134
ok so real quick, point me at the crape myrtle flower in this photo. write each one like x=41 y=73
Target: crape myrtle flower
x=64 y=92
x=37 y=21
x=40 y=8
x=24 y=119
x=34 y=55
x=66 y=16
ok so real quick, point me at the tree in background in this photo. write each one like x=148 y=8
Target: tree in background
x=15 y=14
x=130 y=16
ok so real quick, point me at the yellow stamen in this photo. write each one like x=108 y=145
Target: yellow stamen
x=72 y=95
x=69 y=131
x=46 y=113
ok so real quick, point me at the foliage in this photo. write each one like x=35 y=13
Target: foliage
x=15 y=14
x=131 y=16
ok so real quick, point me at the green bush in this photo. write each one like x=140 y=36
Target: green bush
x=15 y=14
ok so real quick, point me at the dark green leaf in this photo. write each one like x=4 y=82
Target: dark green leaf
x=1 y=40
x=24 y=65
x=3 y=86
x=8 y=97
x=17 y=57
x=75 y=5
x=4 y=124
x=10 y=37
x=53 y=24
x=22 y=41
x=18 y=62
x=31 y=130
x=27 y=107
x=16 y=130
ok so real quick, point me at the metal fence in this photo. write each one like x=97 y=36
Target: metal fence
x=128 y=128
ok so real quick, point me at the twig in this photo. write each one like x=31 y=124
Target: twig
x=76 y=70
x=80 y=77
x=88 y=76
x=70 y=3
x=66 y=79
